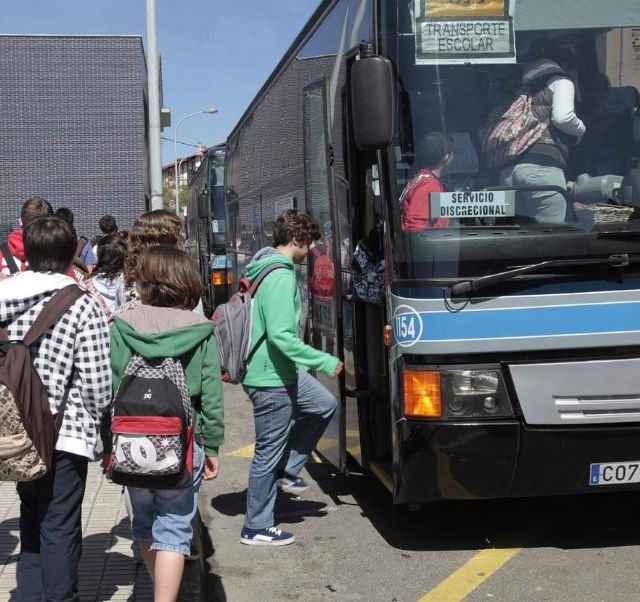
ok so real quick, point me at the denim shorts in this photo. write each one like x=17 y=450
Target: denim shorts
x=164 y=515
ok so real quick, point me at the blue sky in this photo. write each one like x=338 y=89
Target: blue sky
x=214 y=52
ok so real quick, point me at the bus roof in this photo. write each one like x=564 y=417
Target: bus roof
x=531 y=15
x=288 y=56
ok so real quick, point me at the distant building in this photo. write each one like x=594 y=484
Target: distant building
x=187 y=167
x=73 y=126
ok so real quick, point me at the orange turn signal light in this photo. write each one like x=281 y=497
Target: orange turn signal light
x=217 y=278
x=422 y=394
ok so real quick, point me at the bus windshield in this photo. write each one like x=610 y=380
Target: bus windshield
x=216 y=186
x=507 y=163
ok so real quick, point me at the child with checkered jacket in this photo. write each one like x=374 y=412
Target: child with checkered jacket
x=71 y=358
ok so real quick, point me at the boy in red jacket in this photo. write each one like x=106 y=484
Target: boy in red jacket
x=437 y=154
x=32 y=209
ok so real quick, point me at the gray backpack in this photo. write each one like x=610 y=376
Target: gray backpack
x=234 y=321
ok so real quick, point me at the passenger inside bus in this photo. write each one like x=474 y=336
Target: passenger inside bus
x=607 y=144
x=436 y=152
x=590 y=136
x=551 y=75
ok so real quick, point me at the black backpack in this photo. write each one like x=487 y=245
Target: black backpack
x=151 y=426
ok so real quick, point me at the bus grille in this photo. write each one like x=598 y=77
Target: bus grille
x=578 y=393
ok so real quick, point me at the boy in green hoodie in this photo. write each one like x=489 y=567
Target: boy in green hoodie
x=277 y=382
x=164 y=325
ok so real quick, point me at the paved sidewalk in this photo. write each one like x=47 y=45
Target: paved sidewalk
x=107 y=569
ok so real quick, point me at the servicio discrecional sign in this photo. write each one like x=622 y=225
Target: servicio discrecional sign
x=473 y=203
x=464 y=31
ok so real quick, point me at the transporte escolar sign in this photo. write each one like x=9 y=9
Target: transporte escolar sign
x=464 y=31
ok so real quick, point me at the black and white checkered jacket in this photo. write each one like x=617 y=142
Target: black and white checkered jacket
x=78 y=345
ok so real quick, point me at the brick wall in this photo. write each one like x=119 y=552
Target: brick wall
x=72 y=126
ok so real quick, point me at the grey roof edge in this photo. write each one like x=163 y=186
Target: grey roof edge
x=92 y=36
x=70 y=35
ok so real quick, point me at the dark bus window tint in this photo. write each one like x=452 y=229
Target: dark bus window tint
x=326 y=39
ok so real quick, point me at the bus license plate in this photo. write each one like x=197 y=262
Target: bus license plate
x=618 y=473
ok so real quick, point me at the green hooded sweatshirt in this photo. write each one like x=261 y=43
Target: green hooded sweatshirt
x=168 y=332
x=276 y=311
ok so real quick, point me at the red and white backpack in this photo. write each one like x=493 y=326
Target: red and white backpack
x=152 y=426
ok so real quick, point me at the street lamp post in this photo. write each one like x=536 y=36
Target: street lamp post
x=201 y=149
x=209 y=110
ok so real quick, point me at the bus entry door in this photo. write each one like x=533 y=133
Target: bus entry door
x=323 y=259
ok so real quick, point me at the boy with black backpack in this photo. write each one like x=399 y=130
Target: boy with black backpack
x=71 y=358
x=166 y=419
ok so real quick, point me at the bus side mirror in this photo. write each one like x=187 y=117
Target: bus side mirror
x=372 y=102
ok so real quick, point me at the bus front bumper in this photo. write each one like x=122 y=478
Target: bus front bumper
x=446 y=461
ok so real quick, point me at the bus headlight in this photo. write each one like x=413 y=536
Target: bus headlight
x=474 y=382
x=459 y=393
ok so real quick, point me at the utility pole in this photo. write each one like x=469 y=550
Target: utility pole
x=155 y=157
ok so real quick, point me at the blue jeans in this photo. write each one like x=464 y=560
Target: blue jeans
x=288 y=426
x=165 y=515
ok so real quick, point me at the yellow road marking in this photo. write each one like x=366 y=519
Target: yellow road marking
x=382 y=474
x=354 y=451
x=323 y=444
x=459 y=585
x=247 y=452
x=326 y=443
x=243 y=452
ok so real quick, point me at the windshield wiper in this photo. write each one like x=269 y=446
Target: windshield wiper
x=469 y=286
